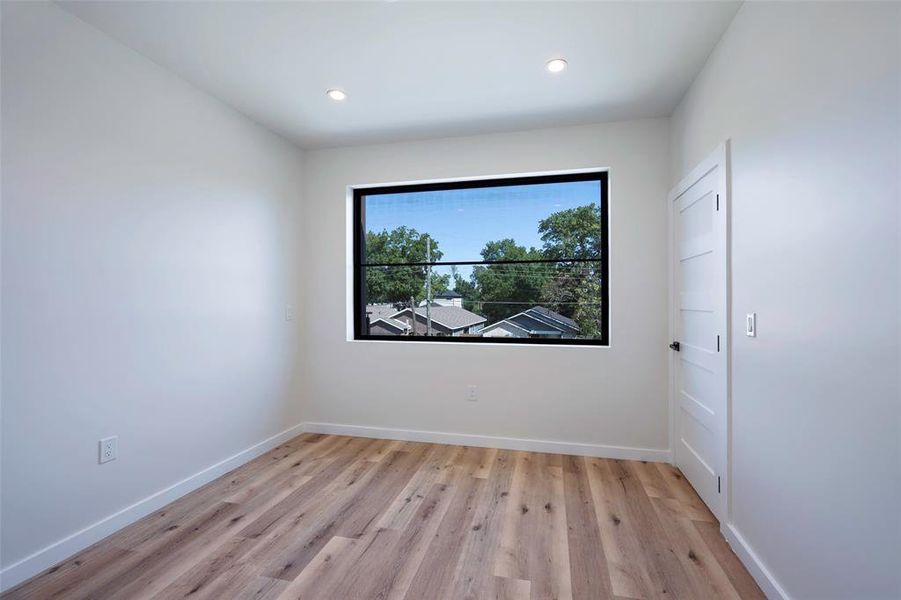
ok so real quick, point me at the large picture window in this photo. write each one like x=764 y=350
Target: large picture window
x=515 y=260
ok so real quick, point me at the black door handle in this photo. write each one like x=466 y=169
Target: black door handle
x=675 y=346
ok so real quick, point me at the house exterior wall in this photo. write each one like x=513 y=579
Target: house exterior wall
x=504 y=329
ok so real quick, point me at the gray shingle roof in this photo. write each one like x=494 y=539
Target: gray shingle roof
x=548 y=313
x=535 y=325
x=380 y=311
x=400 y=325
x=452 y=317
x=539 y=319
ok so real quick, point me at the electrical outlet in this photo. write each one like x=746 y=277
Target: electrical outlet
x=472 y=394
x=289 y=313
x=109 y=449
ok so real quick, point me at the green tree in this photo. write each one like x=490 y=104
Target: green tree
x=572 y=233
x=398 y=284
x=587 y=311
x=503 y=290
x=575 y=289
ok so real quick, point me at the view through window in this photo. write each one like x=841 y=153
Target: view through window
x=504 y=260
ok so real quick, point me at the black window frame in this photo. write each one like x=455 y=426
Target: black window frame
x=359 y=266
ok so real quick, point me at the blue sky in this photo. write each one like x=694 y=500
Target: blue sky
x=462 y=221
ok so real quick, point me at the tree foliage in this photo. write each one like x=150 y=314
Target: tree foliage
x=575 y=291
x=572 y=233
x=396 y=285
x=500 y=286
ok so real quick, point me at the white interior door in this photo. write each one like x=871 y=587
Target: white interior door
x=699 y=223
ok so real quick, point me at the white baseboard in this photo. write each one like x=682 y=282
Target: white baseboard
x=487 y=441
x=755 y=566
x=58 y=551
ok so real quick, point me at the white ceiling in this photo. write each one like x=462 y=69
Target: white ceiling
x=423 y=69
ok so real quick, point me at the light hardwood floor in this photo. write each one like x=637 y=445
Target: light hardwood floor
x=343 y=518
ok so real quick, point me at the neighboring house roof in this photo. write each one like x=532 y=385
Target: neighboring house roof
x=541 y=323
x=546 y=312
x=536 y=325
x=508 y=326
x=539 y=320
x=452 y=317
x=380 y=311
x=391 y=323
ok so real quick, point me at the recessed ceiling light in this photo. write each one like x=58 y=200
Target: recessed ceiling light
x=555 y=65
x=336 y=94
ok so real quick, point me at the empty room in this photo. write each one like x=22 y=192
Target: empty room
x=450 y=300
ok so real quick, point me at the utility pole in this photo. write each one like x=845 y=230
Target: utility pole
x=412 y=316
x=428 y=287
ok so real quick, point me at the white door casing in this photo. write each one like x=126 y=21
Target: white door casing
x=699 y=230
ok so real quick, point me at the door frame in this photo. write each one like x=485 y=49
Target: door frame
x=720 y=157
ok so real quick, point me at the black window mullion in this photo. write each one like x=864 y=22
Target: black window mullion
x=450 y=263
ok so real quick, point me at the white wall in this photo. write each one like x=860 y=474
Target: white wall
x=809 y=95
x=607 y=396
x=146 y=268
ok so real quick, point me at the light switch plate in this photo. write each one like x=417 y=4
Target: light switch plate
x=751 y=325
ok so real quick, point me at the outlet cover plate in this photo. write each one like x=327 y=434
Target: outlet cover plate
x=109 y=449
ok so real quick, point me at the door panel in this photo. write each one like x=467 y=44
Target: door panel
x=700 y=377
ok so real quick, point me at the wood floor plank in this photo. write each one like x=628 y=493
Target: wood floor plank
x=381 y=449
x=692 y=505
x=741 y=580
x=69 y=579
x=502 y=588
x=388 y=482
x=335 y=517
x=305 y=516
x=330 y=564
x=622 y=549
x=327 y=476
x=587 y=560
x=549 y=567
x=258 y=588
x=398 y=567
x=472 y=579
x=349 y=517
x=438 y=460
x=162 y=563
x=487 y=461
x=512 y=560
x=705 y=574
x=360 y=569
x=651 y=479
x=657 y=549
x=435 y=574
x=472 y=462
x=534 y=546
x=197 y=581
x=295 y=467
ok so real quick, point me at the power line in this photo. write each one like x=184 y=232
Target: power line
x=536 y=303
